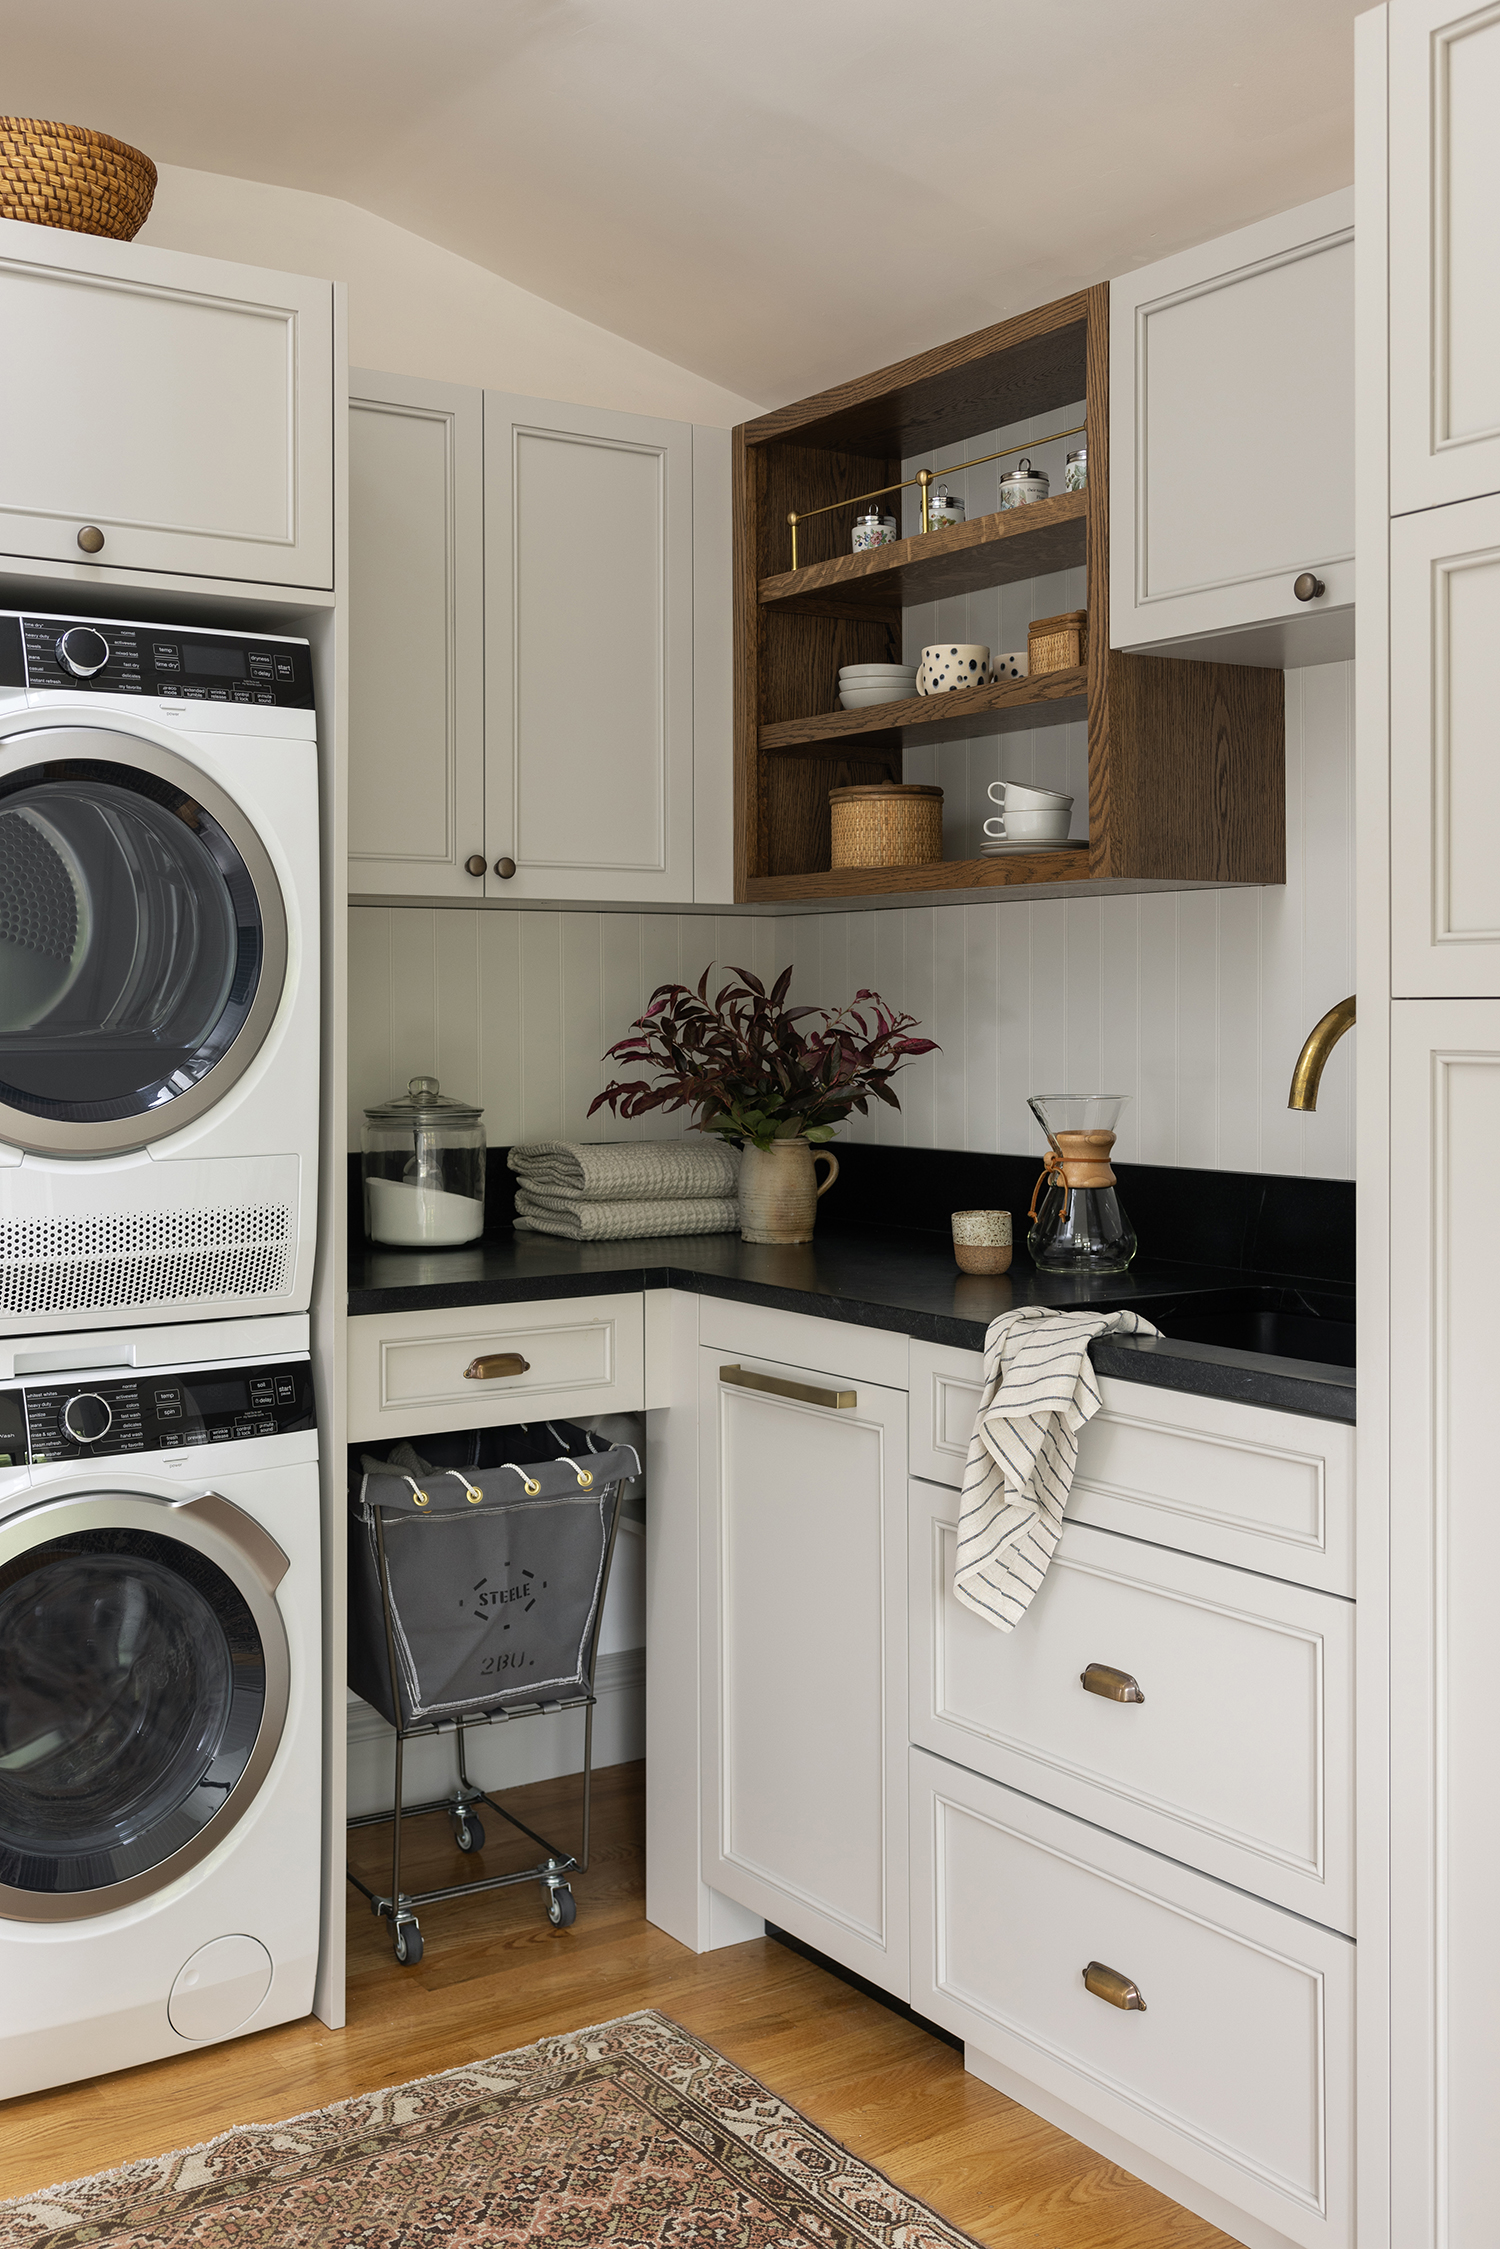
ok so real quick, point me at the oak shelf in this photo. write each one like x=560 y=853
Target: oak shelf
x=992 y=550
x=1051 y=699
x=1186 y=760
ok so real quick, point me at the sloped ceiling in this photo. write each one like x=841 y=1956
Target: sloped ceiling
x=774 y=193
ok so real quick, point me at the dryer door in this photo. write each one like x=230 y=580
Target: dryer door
x=143 y=1693
x=143 y=941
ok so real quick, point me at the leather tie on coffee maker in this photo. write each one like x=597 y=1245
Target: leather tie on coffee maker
x=1083 y=1161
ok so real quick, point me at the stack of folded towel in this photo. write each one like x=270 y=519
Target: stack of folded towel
x=614 y=1191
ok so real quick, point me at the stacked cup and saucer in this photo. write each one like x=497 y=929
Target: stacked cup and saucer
x=1032 y=820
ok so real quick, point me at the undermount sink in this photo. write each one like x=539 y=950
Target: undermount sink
x=1284 y=1323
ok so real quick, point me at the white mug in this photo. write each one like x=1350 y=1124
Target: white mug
x=1020 y=798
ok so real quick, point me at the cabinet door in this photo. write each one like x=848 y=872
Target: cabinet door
x=1444 y=252
x=1444 y=1569
x=589 y=652
x=182 y=406
x=1445 y=777
x=803 y=1606
x=1232 y=441
x=416 y=637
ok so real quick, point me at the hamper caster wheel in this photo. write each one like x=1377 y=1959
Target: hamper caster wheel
x=408 y=1944
x=562 y=1907
x=468 y=1832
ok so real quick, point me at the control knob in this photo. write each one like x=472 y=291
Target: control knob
x=82 y=651
x=86 y=1418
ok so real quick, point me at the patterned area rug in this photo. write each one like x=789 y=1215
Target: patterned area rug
x=633 y=2133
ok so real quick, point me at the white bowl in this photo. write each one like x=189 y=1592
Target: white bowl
x=872 y=671
x=1037 y=827
x=1017 y=798
x=872 y=679
x=860 y=698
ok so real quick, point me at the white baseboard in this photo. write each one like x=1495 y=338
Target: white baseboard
x=502 y=1756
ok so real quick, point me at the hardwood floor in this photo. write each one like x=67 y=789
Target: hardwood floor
x=497 y=1975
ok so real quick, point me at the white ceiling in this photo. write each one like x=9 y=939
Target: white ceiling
x=774 y=193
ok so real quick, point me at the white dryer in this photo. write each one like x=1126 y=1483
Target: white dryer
x=158 y=973
x=160 y=1695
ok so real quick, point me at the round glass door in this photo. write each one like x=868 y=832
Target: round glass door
x=133 y=1690
x=142 y=942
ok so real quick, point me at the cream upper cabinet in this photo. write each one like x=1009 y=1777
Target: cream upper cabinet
x=178 y=406
x=1444 y=154
x=802 y=1545
x=1445 y=775
x=589 y=653
x=1232 y=444
x=416 y=638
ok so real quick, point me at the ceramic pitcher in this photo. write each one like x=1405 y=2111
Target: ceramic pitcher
x=779 y=1190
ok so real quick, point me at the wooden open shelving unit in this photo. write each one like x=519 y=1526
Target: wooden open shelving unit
x=1186 y=760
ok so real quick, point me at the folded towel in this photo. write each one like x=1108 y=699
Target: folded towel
x=1039 y=1390
x=580 y=1220
x=634 y=1171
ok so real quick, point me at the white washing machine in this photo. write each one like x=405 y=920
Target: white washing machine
x=158 y=973
x=160 y=1694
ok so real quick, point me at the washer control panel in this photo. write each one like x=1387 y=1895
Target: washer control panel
x=91 y=1417
x=98 y=656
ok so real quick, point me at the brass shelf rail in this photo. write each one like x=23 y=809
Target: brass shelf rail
x=925 y=478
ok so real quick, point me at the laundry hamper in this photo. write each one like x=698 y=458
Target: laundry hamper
x=475 y=1596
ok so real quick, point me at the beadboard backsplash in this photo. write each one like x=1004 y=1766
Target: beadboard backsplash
x=1194 y=1003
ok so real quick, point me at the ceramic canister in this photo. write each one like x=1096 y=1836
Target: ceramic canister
x=873 y=530
x=1022 y=485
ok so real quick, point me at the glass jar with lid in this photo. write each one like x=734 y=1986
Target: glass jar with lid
x=423 y=1168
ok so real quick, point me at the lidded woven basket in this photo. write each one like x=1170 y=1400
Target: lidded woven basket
x=886 y=824
x=67 y=176
x=1056 y=644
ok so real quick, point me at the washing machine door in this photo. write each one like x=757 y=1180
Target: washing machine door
x=143 y=941
x=143 y=1693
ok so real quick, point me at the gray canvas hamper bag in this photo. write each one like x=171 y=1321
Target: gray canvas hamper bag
x=496 y=1581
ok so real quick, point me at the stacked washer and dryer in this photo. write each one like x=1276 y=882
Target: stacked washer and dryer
x=160 y=1690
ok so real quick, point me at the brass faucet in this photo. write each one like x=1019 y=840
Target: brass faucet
x=1318 y=1045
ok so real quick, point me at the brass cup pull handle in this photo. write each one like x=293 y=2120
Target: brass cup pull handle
x=1115 y=1686
x=91 y=538
x=805 y=1393
x=1108 y=1983
x=497 y=1364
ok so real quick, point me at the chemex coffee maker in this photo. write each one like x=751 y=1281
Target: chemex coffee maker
x=1079 y=1225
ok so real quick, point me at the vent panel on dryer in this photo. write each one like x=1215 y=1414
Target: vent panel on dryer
x=140 y=1258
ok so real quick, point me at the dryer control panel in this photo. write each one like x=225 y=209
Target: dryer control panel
x=91 y=1417
x=100 y=656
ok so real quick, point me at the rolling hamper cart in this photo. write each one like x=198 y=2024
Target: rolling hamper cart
x=475 y=1596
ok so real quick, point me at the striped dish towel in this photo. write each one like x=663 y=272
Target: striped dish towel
x=1039 y=1390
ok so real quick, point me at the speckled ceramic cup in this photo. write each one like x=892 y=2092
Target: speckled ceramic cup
x=982 y=1240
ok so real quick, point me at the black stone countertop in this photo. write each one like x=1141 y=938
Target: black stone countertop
x=895 y=1278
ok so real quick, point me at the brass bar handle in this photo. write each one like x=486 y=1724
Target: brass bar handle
x=805 y=1393
x=1108 y=1983
x=498 y=1363
x=1115 y=1686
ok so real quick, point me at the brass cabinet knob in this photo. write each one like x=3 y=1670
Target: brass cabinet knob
x=1108 y=1983
x=1115 y=1686
x=497 y=1364
x=505 y=868
x=1309 y=588
x=91 y=538
x=474 y=865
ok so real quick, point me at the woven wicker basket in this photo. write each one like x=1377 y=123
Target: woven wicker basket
x=64 y=175
x=887 y=824
x=1055 y=644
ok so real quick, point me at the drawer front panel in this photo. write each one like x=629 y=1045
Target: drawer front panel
x=1239 y=1760
x=1242 y=1484
x=1239 y=2070
x=407 y=1370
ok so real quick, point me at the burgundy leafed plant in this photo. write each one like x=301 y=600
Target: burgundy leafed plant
x=743 y=1064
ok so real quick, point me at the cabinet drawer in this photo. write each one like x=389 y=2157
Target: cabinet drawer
x=1240 y=1758
x=1241 y=1484
x=584 y=1354
x=1239 y=2072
